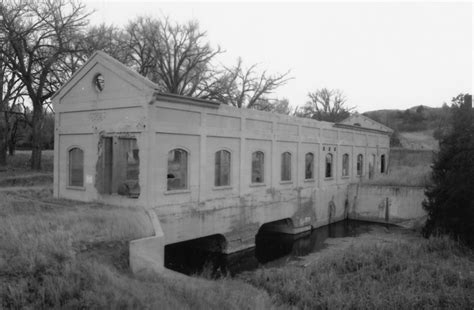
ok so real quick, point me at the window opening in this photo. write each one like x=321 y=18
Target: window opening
x=222 y=168
x=258 y=167
x=309 y=166
x=286 y=166
x=328 y=165
x=76 y=167
x=360 y=164
x=382 y=163
x=345 y=165
x=177 y=169
x=120 y=167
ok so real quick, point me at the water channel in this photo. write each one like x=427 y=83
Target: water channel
x=271 y=250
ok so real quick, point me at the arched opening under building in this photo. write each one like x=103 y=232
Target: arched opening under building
x=197 y=255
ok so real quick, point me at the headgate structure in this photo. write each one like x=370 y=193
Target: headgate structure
x=200 y=168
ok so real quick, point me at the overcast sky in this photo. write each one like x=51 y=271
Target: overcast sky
x=382 y=55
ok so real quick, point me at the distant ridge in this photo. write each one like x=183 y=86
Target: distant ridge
x=416 y=127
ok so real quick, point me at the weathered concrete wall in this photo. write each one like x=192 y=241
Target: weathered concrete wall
x=392 y=204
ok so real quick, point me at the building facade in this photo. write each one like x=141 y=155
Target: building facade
x=200 y=168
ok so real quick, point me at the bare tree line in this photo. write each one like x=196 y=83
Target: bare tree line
x=44 y=42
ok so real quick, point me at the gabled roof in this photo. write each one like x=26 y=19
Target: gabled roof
x=131 y=76
x=109 y=61
x=357 y=120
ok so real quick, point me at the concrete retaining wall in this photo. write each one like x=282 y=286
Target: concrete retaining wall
x=391 y=204
x=411 y=158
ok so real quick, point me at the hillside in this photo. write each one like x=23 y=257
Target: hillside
x=416 y=127
x=418 y=118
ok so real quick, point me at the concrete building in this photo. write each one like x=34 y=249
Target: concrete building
x=200 y=168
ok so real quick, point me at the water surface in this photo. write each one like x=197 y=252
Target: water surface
x=272 y=250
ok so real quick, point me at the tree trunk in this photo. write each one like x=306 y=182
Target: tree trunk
x=36 y=136
x=3 y=147
x=11 y=147
x=3 y=129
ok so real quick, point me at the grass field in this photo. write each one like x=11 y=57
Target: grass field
x=420 y=274
x=19 y=165
x=65 y=254
x=57 y=253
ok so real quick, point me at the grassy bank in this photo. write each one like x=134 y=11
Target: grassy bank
x=57 y=253
x=65 y=254
x=435 y=273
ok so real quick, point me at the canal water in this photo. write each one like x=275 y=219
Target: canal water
x=271 y=250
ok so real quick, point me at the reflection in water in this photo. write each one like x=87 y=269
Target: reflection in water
x=271 y=250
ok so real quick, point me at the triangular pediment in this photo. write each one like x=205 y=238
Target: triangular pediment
x=118 y=81
x=362 y=121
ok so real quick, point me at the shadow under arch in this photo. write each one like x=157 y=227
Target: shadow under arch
x=196 y=255
x=274 y=240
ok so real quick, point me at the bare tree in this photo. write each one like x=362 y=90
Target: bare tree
x=326 y=105
x=107 y=38
x=175 y=56
x=280 y=106
x=183 y=58
x=141 y=38
x=10 y=91
x=40 y=33
x=245 y=88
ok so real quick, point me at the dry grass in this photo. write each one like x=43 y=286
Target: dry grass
x=420 y=140
x=19 y=164
x=426 y=274
x=65 y=254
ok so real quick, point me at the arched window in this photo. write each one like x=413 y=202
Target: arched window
x=328 y=165
x=177 y=169
x=286 y=166
x=382 y=163
x=258 y=167
x=360 y=164
x=345 y=165
x=76 y=167
x=371 y=166
x=309 y=166
x=222 y=171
